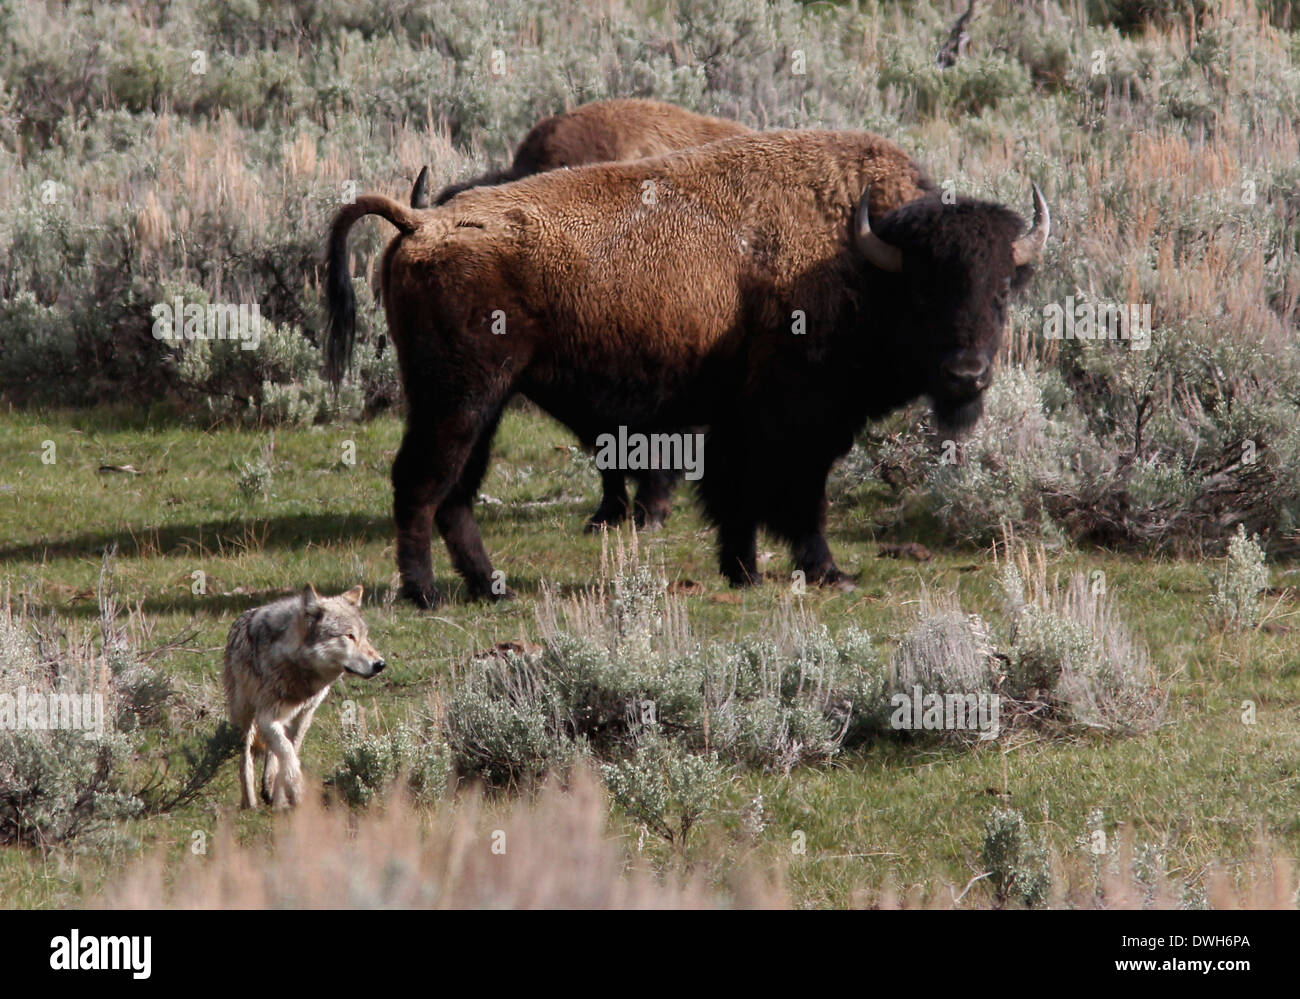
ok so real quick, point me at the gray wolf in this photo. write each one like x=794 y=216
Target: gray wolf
x=281 y=660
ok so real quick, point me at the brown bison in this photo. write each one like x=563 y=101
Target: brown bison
x=754 y=286
x=603 y=132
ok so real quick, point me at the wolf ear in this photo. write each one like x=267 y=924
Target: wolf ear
x=311 y=601
x=353 y=596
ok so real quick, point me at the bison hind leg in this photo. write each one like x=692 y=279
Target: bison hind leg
x=613 y=502
x=456 y=524
x=436 y=476
x=654 y=498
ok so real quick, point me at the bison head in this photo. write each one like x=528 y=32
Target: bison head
x=951 y=269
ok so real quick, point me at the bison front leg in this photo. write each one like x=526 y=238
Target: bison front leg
x=797 y=512
x=738 y=551
x=728 y=498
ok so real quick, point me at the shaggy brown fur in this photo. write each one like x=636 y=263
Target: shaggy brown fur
x=601 y=132
x=663 y=292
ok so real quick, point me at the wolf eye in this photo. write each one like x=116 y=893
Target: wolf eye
x=352 y=636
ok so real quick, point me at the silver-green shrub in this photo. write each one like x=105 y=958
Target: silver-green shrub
x=1015 y=860
x=375 y=762
x=1070 y=658
x=665 y=787
x=1239 y=583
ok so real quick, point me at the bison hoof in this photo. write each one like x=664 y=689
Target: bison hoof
x=648 y=523
x=832 y=578
x=739 y=578
x=424 y=597
x=601 y=521
x=491 y=592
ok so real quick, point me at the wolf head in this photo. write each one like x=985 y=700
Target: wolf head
x=337 y=637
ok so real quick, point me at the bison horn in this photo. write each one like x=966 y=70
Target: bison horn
x=871 y=246
x=1029 y=247
x=420 y=192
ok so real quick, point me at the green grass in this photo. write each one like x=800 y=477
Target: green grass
x=1205 y=787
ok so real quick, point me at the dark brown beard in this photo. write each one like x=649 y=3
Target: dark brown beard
x=956 y=419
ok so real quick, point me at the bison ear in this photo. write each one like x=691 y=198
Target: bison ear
x=876 y=250
x=311 y=601
x=353 y=596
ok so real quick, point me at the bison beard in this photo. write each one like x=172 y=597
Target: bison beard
x=956 y=419
x=619 y=313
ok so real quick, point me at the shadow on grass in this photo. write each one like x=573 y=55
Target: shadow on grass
x=451 y=590
x=238 y=535
x=206 y=539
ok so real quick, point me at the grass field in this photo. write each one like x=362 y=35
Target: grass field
x=152 y=490
x=1203 y=789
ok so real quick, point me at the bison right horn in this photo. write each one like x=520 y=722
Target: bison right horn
x=871 y=246
x=1029 y=247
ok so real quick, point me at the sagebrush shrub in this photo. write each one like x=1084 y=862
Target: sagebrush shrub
x=1016 y=861
x=1239 y=583
x=77 y=717
x=1070 y=658
x=664 y=787
x=618 y=663
x=372 y=763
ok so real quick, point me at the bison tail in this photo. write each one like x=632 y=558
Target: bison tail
x=339 y=299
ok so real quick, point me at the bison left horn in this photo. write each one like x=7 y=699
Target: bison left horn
x=1029 y=247
x=871 y=246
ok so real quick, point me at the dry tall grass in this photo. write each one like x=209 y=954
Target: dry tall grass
x=551 y=852
x=556 y=852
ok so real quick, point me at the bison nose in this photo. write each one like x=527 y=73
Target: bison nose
x=378 y=665
x=967 y=375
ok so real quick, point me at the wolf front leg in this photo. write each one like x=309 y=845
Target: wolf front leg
x=247 y=797
x=287 y=786
x=299 y=723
